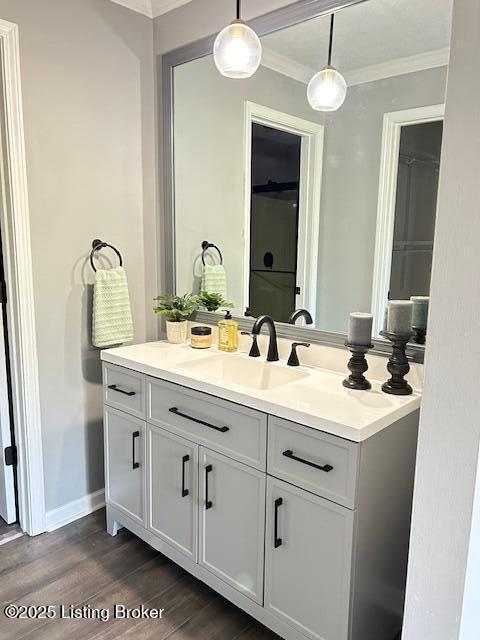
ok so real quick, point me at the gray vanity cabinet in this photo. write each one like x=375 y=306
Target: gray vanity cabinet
x=232 y=522
x=306 y=531
x=125 y=477
x=308 y=557
x=173 y=486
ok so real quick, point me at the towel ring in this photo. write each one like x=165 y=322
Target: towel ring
x=208 y=245
x=99 y=244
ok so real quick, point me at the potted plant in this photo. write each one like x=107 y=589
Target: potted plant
x=176 y=310
x=213 y=301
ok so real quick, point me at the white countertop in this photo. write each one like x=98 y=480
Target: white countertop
x=317 y=400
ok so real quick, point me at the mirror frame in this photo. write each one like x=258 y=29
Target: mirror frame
x=263 y=25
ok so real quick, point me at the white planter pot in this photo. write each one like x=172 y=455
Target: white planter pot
x=177 y=331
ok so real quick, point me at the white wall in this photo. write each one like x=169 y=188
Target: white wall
x=88 y=91
x=448 y=448
x=470 y=625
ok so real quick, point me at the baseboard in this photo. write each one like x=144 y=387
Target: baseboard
x=67 y=513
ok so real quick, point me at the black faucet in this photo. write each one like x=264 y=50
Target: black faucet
x=300 y=313
x=272 y=355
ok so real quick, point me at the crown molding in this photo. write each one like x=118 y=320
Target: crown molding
x=151 y=8
x=140 y=6
x=288 y=67
x=398 y=67
x=159 y=7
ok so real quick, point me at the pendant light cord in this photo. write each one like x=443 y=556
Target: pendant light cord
x=330 y=42
x=239 y=8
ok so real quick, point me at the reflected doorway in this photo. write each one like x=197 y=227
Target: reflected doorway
x=275 y=191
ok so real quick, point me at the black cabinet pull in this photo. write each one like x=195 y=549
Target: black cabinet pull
x=289 y=454
x=208 y=503
x=205 y=424
x=185 y=492
x=114 y=387
x=276 y=540
x=135 y=435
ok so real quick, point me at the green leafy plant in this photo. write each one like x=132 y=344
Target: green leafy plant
x=213 y=301
x=176 y=308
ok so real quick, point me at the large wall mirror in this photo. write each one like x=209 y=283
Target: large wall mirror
x=329 y=212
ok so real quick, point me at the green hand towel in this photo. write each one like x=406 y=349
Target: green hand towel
x=112 y=316
x=214 y=279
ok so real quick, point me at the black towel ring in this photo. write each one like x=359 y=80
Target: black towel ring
x=208 y=245
x=99 y=244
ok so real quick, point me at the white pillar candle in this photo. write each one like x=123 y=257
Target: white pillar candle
x=360 y=329
x=420 y=311
x=400 y=316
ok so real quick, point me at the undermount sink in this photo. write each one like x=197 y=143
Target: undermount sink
x=242 y=371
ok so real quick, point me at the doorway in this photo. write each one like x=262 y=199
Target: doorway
x=275 y=197
x=408 y=184
x=283 y=177
x=415 y=209
x=8 y=481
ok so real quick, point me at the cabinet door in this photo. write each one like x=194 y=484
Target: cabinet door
x=173 y=479
x=308 y=561
x=125 y=463
x=232 y=517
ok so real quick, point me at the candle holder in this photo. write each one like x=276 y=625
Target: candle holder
x=420 y=334
x=397 y=365
x=357 y=365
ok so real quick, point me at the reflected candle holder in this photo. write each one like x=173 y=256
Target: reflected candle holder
x=357 y=365
x=420 y=335
x=398 y=365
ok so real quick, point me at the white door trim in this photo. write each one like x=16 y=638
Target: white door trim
x=387 y=193
x=310 y=196
x=15 y=221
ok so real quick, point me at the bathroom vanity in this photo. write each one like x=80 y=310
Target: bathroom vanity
x=280 y=489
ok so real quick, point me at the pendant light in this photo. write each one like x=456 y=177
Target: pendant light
x=237 y=50
x=327 y=89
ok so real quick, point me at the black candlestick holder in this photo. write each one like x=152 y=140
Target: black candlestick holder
x=420 y=334
x=357 y=365
x=397 y=365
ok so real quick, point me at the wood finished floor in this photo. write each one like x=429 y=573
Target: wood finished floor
x=81 y=564
x=8 y=531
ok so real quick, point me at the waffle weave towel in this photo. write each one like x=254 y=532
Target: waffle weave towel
x=112 y=316
x=214 y=279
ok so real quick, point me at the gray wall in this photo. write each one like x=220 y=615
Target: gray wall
x=209 y=163
x=88 y=91
x=182 y=26
x=448 y=448
x=351 y=169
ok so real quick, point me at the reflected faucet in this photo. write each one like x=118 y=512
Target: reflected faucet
x=272 y=355
x=300 y=313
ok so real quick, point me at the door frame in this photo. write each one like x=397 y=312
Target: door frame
x=311 y=162
x=17 y=255
x=387 y=194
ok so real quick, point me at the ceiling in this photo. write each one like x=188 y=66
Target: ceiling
x=152 y=8
x=368 y=34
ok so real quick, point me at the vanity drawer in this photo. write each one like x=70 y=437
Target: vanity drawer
x=316 y=461
x=124 y=389
x=226 y=427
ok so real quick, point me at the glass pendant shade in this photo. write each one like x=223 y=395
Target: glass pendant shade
x=327 y=90
x=237 y=51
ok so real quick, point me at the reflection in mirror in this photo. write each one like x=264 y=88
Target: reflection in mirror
x=330 y=212
x=275 y=183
